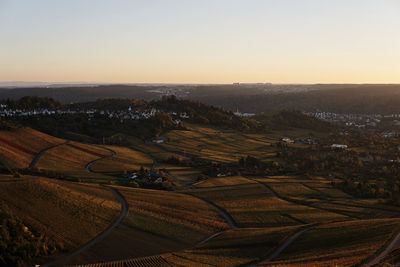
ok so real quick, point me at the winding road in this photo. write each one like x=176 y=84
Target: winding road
x=392 y=245
x=124 y=212
x=88 y=166
x=222 y=212
x=38 y=155
x=288 y=241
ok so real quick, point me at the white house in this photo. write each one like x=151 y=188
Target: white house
x=339 y=146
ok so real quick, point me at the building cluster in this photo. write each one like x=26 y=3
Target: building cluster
x=151 y=177
x=245 y=115
x=129 y=114
x=371 y=122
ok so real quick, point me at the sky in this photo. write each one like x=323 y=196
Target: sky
x=200 y=41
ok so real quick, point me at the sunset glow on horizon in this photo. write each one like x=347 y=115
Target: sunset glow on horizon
x=210 y=41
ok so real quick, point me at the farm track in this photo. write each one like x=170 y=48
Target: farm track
x=124 y=212
x=228 y=218
x=41 y=152
x=386 y=251
x=224 y=214
x=88 y=166
x=287 y=242
x=297 y=202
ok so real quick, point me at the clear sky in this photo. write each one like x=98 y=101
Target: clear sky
x=200 y=41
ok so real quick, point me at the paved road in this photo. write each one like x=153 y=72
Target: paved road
x=38 y=155
x=222 y=212
x=124 y=212
x=88 y=166
x=392 y=245
x=298 y=202
x=289 y=241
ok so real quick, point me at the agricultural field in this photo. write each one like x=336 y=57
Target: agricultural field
x=157 y=222
x=125 y=159
x=19 y=146
x=180 y=175
x=234 y=247
x=338 y=244
x=319 y=193
x=71 y=159
x=176 y=216
x=203 y=220
x=89 y=208
x=215 y=145
x=225 y=181
x=252 y=205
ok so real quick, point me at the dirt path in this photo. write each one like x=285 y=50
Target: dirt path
x=392 y=245
x=124 y=212
x=38 y=155
x=88 y=166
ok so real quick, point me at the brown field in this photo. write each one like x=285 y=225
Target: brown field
x=71 y=160
x=224 y=181
x=251 y=205
x=212 y=144
x=321 y=194
x=18 y=147
x=175 y=216
x=234 y=247
x=71 y=214
x=180 y=175
x=125 y=159
x=338 y=244
x=157 y=222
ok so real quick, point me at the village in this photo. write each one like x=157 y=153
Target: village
x=387 y=126
x=129 y=114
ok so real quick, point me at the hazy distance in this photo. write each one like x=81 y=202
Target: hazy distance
x=207 y=41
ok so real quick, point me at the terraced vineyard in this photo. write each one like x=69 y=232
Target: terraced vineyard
x=50 y=207
x=252 y=205
x=125 y=159
x=71 y=159
x=218 y=146
x=286 y=220
x=342 y=243
x=18 y=147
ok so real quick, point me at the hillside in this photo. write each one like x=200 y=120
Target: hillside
x=286 y=119
x=339 y=98
x=36 y=234
x=110 y=120
x=19 y=146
